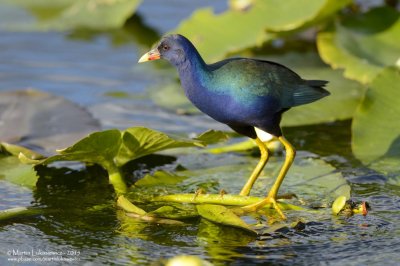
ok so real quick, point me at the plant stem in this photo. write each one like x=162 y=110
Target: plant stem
x=19 y=212
x=117 y=180
x=230 y=200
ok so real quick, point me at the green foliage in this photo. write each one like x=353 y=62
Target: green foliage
x=159 y=178
x=338 y=204
x=376 y=127
x=125 y=204
x=362 y=44
x=18 y=213
x=222 y=215
x=233 y=30
x=14 y=171
x=66 y=14
x=114 y=148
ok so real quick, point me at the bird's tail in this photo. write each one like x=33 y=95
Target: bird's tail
x=311 y=91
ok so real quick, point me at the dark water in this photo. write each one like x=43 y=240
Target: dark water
x=83 y=67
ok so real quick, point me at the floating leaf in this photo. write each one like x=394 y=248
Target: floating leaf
x=141 y=141
x=135 y=212
x=338 y=204
x=18 y=212
x=175 y=212
x=187 y=260
x=376 y=127
x=127 y=206
x=16 y=150
x=33 y=118
x=64 y=14
x=222 y=215
x=14 y=171
x=113 y=148
x=362 y=44
x=160 y=178
x=212 y=137
x=216 y=35
x=99 y=147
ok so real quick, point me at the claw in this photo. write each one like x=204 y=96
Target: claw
x=199 y=191
x=222 y=192
x=257 y=206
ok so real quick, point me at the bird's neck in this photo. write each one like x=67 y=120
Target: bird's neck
x=192 y=63
x=193 y=73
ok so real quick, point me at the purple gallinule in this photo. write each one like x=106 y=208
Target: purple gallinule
x=248 y=95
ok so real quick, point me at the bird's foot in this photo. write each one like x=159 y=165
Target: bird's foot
x=258 y=205
x=222 y=192
x=199 y=191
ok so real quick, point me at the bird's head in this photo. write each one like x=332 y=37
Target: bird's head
x=173 y=48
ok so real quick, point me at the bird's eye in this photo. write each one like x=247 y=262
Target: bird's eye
x=165 y=47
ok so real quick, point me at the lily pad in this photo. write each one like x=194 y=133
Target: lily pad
x=65 y=14
x=160 y=178
x=32 y=118
x=14 y=171
x=113 y=148
x=222 y=215
x=376 y=127
x=126 y=205
x=119 y=147
x=216 y=35
x=175 y=212
x=362 y=44
x=18 y=213
x=338 y=204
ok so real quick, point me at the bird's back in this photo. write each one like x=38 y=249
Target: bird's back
x=249 y=79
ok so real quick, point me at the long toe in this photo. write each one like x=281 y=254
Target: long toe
x=259 y=205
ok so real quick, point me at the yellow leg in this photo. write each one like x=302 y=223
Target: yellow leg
x=272 y=195
x=256 y=172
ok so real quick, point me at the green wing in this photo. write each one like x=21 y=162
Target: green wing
x=251 y=78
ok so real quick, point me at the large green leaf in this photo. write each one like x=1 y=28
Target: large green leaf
x=99 y=147
x=362 y=44
x=215 y=35
x=12 y=170
x=376 y=127
x=114 y=147
x=111 y=149
x=222 y=215
x=160 y=178
x=37 y=119
x=141 y=141
x=69 y=14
